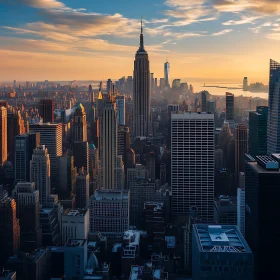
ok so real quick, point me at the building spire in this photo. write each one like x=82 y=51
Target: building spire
x=141 y=37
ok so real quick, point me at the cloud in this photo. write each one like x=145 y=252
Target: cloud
x=46 y=4
x=273 y=36
x=223 y=32
x=244 y=20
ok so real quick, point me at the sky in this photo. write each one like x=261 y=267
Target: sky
x=219 y=40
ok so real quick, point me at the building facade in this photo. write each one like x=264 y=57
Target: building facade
x=229 y=106
x=3 y=136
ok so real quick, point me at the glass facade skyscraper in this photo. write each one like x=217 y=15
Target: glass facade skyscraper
x=166 y=74
x=273 y=127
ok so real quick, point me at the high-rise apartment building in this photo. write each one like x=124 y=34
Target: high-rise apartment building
x=82 y=189
x=262 y=198
x=3 y=136
x=109 y=213
x=24 y=146
x=108 y=145
x=40 y=173
x=192 y=164
x=273 y=124
x=120 y=100
x=167 y=74
x=9 y=228
x=141 y=91
x=28 y=212
x=241 y=147
x=46 y=110
x=80 y=124
x=51 y=137
x=257 y=144
x=220 y=252
x=204 y=100
x=229 y=106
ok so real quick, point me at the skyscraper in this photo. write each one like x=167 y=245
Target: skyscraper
x=109 y=86
x=241 y=147
x=121 y=109
x=166 y=74
x=3 y=136
x=204 y=99
x=192 y=164
x=245 y=83
x=82 y=189
x=80 y=124
x=262 y=210
x=40 y=173
x=51 y=137
x=258 y=131
x=108 y=145
x=24 y=146
x=273 y=125
x=46 y=110
x=229 y=106
x=141 y=91
x=9 y=227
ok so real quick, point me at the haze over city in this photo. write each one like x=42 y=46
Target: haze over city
x=218 y=40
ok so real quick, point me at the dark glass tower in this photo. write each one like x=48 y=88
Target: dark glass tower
x=273 y=127
x=229 y=106
x=204 y=99
x=258 y=131
x=166 y=74
x=46 y=110
x=141 y=91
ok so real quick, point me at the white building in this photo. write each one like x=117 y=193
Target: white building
x=192 y=164
x=74 y=224
x=40 y=172
x=109 y=213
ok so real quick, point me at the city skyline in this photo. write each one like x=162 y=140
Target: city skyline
x=65 y=40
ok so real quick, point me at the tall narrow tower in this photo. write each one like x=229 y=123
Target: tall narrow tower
x=141 y=91
x=3 y=136
x=166 y=74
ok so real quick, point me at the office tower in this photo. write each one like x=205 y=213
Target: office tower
x=192 y=164
x=261 y=199
x=156 y=83
x=245 y=83
x=257 y=144
x=225 y=210
x=162 y=83
x=140 y=191
x=134 y=172
x=67 y=173
x=81 y=155
x=120 y=173
x=123 y=140
x=120 y=100
x=162 y=174
x=229 y=106
x=24 y=146
x=3 y=136
x=15 y=126
x=141 y=91
x=110 y=213
x=204 y=100
x=32 y=266
x=82 y=189
x=273 y=125
x=80 y=124
x=152 y=84
x=9 y=228
x=109 y=86
x=75 y=258
x=40 y=172
x=108 y=146
x=166 y=74
x=75 y=224
x=51 y=137
x=211 y=106
x=241 y=203
x=28 y=209
x=91 y=94
x=241 y=147
x=46 y=110
x=176 y=83
x=151 y=166
x=219 y=159
x=50 y=227
x=220 y=252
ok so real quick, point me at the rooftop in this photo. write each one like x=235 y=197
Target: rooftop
x=133 y=236
x=216 y=238
x=191 y=115
x=75 y=242
x=75 y=212
x=110 y=195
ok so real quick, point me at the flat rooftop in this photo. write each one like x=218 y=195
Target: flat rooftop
x=75 y=242
x=75 y=212
x=192 y=115
x=110 y=195
x=220 y=238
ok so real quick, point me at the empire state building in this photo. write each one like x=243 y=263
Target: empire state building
x=141 y=91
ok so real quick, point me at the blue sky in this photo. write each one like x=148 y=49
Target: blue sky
x=70 y=39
